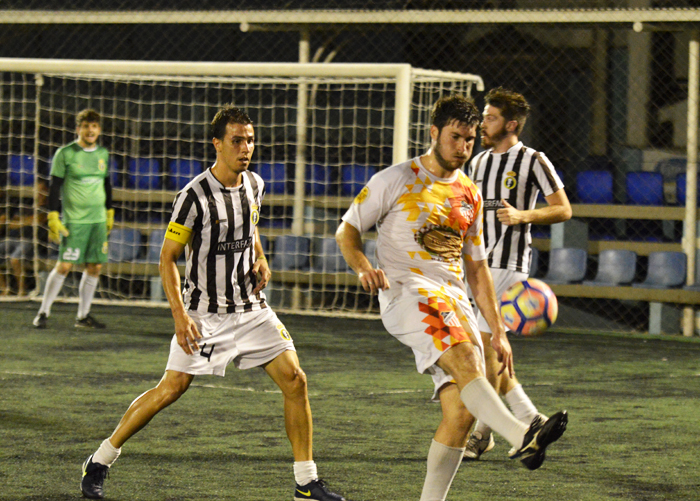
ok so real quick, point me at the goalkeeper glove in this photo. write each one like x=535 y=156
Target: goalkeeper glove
x=110 y=220
x=56 y=228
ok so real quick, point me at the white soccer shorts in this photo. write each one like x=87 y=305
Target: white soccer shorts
x=502 y=279
x=429 y=321
x=248 y=339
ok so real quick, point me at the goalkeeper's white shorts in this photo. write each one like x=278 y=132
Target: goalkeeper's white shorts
x=430 y=322
x=248 y=339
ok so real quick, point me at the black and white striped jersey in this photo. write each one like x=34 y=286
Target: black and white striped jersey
x=221 y=252
x=518 y=176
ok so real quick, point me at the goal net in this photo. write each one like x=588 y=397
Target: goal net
x=322 y=130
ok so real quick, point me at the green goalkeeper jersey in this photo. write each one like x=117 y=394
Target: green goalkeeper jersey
x=83 y=194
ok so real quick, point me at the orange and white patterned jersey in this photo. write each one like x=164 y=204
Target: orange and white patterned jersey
x=406 y=201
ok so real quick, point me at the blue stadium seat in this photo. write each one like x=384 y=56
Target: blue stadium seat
x=21 y=170
x=615 y=267
x=124 y=245
x=144 y=174
x=370 y=250
x=645 y=188
x=155 y=242
x=116 y=174
x=319 y=180
x=354 y=177
x=274 y=176
x=666 y=269
x=182 y=171
x=328 y=258
x=566 y=266
x=534 y=261
x=291 y=253
x=594 y=187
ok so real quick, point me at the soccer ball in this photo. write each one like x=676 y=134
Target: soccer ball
x=529 y=307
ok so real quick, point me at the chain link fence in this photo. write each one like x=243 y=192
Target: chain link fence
x=609 y=101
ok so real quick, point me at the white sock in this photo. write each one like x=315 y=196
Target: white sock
x=483 y=402
x=86 y=290
x=521 y=405
x=54 y=282
x=305 y=472
x=443 y=462
x=107 y=454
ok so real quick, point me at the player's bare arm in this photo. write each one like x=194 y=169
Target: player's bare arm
x=185 y=329
x=349 y=241
x=481 y=284
x=261 y=268
x=558 y=209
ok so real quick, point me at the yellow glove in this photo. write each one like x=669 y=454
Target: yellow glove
x=56 y=228
x=110 y=220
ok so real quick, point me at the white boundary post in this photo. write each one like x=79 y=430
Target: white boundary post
x=300 y=160
x=691 y=183
x=402 y=114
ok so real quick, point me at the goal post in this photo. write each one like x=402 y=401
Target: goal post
x=314 y=153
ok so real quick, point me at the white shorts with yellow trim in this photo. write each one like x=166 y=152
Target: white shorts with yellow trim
x=248 y=339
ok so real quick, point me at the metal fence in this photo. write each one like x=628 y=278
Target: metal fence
x=608 y=81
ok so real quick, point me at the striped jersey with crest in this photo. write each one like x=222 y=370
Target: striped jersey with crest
x=221 y=252
x=518 y=176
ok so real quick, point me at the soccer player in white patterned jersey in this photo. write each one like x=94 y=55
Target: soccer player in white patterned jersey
x=224 y=317
x=510 y=176
x=428 y=216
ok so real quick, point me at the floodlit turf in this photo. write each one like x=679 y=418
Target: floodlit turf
x=634 y=431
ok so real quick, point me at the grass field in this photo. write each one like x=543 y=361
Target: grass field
x=634 y=404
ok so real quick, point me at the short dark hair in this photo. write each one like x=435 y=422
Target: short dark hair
x=88 y=115
x=229 y=114
x=513 y=106
x=455 y=107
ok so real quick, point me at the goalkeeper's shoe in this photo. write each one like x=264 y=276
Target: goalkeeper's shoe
x=89 y=322
x=40 y=321
x=94 y=475
x=478 y=445
x=538 y=436
x=317 y=491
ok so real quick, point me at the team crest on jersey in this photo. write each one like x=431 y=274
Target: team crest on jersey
x=362 y=196
x=450 y=318
x=101 y=165
x=105 y=248
x=510 y=182
x=284 y=332
x=255 y=214
x=467 y=210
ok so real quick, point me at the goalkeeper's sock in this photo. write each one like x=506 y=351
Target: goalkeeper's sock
x=305 y=472
x=54 y=283
x=521 y=405
x=483 y=402
x=86 y=290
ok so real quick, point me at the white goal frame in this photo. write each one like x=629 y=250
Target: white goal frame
x=403 y=77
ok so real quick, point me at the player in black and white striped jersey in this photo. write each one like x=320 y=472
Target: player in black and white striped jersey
x=223 y=223
x=510 y=176
x=224 y=317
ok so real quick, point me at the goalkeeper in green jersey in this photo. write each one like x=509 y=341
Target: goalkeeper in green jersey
x=80 y=182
